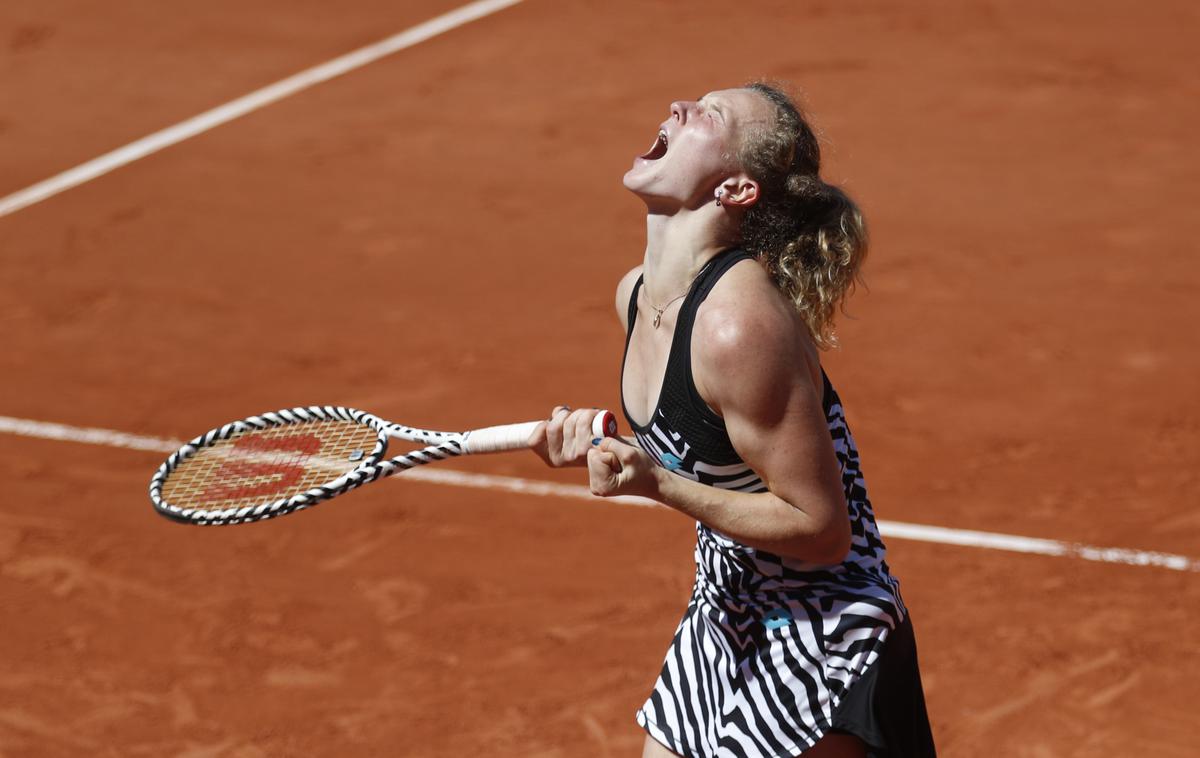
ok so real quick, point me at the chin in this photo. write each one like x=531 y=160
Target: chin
x=630 y=181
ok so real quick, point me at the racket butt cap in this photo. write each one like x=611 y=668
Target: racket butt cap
x=604 y=424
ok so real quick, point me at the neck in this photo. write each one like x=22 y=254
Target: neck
x=678 y=246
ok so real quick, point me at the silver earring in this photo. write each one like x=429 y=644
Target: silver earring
x=722 y=192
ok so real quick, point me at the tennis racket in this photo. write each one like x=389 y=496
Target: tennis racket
x=281 y=462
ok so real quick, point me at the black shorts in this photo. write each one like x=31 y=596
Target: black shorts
x=885 y=708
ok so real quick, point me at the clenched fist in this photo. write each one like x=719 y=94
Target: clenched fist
x=617 y=468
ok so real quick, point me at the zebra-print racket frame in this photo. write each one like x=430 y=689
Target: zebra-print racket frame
x=441 y=445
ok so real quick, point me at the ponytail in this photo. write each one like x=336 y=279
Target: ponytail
x=810 y=236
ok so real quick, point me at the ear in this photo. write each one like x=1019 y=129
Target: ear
x=739 y=191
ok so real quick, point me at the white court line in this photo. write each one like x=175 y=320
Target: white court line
x=890 y=529
x=85 y=172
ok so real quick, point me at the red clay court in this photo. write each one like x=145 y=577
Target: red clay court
x=435 y=236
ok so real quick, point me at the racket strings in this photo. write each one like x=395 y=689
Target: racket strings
x=265 y=465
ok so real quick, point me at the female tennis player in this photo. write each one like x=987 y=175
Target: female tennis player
x=795 y=640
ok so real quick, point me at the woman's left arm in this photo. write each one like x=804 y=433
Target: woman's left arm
x=752 y=369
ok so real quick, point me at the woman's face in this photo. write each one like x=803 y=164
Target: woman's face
x=696 y=149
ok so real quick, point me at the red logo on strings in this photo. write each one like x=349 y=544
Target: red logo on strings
x=284 y=473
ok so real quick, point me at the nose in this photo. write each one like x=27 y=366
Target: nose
x=680 y=110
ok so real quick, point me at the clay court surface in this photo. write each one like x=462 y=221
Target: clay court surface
x=435 y=237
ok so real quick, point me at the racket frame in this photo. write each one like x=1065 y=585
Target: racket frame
x=439 y=445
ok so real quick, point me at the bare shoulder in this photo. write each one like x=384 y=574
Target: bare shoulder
x=749 y=341
x=744 y=315
x=624 y=290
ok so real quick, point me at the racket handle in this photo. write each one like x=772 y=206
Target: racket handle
x=496 y=439
x=604 y=425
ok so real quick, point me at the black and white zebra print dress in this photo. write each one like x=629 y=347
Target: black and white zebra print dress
x=768 y=645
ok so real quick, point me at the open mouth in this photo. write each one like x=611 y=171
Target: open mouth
x=658 y=149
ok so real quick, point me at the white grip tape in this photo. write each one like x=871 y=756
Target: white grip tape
x=495 y=439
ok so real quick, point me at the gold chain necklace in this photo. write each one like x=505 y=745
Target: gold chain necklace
x=658 y=312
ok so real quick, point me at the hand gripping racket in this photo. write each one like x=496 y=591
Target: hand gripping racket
x=277 y=463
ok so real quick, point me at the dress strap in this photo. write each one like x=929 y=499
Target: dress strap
x=633 y=310
x=679 y=362
x=708 y=278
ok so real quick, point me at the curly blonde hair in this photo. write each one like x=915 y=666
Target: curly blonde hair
x=810 y=236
